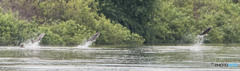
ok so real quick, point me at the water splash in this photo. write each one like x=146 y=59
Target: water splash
x=89 y=41
x=198 y=42
x=85 y=45
x=33 y=42
x=30 y=44
x=200 y=39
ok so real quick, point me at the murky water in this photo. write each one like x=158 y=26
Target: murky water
x=147 y=58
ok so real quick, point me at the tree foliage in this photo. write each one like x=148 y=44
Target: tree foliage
x=71 y=22
x=15 y=31
x=176 y=21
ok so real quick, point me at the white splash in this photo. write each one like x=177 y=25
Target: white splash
x=198 y=43
x=200 y=40
x=30 y=44
x=34 y=42
x=89 y=41
x=85 y=45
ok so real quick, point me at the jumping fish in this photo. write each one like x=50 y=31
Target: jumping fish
x=94 y=37
x=39 y=38
x=22 y=45
x=206 y=31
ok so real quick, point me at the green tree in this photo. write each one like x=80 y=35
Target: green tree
x=13 y=30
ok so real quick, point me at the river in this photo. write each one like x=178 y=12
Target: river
x=144 y=58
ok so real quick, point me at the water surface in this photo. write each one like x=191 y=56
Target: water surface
x=146 y=58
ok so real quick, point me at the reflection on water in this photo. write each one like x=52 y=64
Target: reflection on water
x=145 y=58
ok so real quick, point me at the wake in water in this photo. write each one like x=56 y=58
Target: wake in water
x=89 y=41
x=32 y=42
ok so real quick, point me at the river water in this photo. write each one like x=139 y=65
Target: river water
x=145 y=58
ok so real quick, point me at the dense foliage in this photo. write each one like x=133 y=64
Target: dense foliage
x=176 y=21
x=66 y=23
x=71 y=22
x=14 y=31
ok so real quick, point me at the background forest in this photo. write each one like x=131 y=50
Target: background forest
x=120 y=22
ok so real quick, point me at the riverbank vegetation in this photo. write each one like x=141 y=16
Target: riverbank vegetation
x=71 y=22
